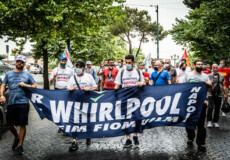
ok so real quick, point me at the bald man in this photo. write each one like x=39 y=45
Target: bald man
x=159 y=76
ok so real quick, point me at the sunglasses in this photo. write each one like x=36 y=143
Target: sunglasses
x=20 y=62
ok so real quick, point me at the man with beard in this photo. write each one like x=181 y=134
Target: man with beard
x=198 y=76
x=215 y=95
x=172 y=72
x=18 y=106
x=109 y=76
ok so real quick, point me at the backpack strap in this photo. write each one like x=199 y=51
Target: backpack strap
x=157 y=77
x=139 y=73
x=122 y=72
x=77 y=82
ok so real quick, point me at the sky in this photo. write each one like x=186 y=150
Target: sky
x=169 y=10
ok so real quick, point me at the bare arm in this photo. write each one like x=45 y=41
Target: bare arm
x=117 y=86
x=52 y=80
x=102 y=82
x=169 y=81
x=225 y=91
x=22 y=84
x=2 y=97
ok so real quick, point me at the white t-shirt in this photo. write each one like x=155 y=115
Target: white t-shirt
x=150 y=71
x=121 y=68
x=129 y=78
x=181 y=74
x=63 y=76
x=85 y=81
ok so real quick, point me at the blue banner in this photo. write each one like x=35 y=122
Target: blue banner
x=118 y=112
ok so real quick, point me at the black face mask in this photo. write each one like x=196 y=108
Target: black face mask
x=199 y=69
x=155 y=68
x=183 y=69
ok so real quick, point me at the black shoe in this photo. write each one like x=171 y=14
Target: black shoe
x=135 y=139
x=16 y=141
x=201 y=148
x=73 y=147
x=20 y=150
x=190 y=143
x=128 y=143
x=88 y=141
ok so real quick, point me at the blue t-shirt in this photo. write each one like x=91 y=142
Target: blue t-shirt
x=17 y=95
x=163 y=78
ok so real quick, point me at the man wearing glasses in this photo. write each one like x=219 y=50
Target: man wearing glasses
x=18 y=105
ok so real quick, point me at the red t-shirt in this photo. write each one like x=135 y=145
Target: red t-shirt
x=110 y=76
x=206 y=71
x=145 y=74
x=226 y=73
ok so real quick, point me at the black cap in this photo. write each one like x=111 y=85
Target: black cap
x=80 y=64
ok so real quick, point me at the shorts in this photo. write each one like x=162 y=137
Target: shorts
x=17 y=114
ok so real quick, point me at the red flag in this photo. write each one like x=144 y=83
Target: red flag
x=185 y=56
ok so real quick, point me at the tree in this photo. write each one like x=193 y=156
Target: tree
x=206 y=31
x=48 y=22
x=193 y=4
x=135 y=23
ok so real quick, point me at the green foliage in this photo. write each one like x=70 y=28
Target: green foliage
x=136 y=24
x=49 y=24
x=3 y=56
x=206 y=31
x=193 y=4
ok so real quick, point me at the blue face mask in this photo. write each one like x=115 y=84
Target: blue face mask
x=204 y=66
x=78 y=71
x=119 y=64
x=220 y=66
x=129 y=66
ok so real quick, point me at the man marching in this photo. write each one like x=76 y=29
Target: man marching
x=60 y=77
x=129 y=77
x=86 y=82
x=18 y=106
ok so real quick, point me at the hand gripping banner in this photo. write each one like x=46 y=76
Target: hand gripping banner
x=118 y=112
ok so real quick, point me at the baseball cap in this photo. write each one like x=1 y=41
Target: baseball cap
x=88 y=63
x=80 y=64
x=21 y=58
x=62 y=57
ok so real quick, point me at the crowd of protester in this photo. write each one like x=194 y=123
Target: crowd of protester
x=121 y=74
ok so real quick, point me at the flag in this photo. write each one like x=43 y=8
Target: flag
x=185 y=56
x=148 y=61
x=67 y=54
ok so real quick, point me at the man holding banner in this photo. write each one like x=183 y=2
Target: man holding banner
x=18 y=106
x=60 y=76
x=85 y=82
x=130 y=77
x=198 y=76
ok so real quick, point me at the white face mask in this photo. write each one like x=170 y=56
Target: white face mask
x=166 y=65
x=78 y=71
x=143 y=70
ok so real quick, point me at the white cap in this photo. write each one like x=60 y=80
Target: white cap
x=88 y=63
x=21 y=58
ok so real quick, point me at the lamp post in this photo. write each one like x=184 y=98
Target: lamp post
x=157 y=31
x=174 y=58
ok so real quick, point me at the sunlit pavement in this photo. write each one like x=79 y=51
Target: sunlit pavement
x=43 y=142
